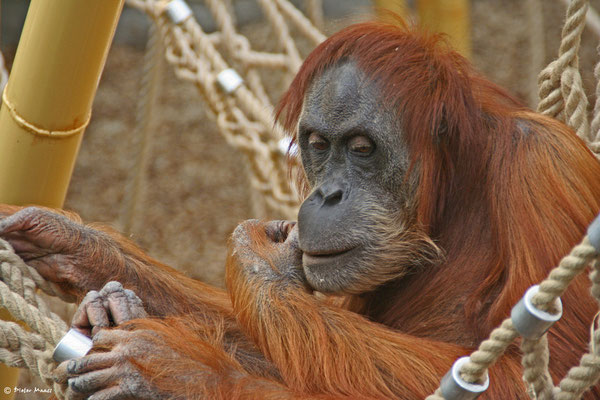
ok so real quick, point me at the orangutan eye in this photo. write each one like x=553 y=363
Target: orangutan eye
x=318 y=142
x=361 y=145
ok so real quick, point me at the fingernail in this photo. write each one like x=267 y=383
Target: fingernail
x=71 y=366
x=288 y=226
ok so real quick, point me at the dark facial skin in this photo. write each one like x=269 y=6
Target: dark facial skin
x=361 y=205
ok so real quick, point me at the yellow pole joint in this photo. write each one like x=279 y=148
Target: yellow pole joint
x=47 y=103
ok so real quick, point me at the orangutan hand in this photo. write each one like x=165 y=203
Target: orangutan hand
x=63 y=251
x=108 y=372
x=111 y=306
x=267 y=251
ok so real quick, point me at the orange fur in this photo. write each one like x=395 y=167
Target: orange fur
x=503 y=192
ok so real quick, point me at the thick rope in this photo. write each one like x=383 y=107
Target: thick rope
x=561 y=91
x=580 y=378
x=595 y=125
x=535 y=361
x=22 y=349
x=535 y=368
x=592 y=19
x=18 y=294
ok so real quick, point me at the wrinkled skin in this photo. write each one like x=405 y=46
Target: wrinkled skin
x=111 y=306
x=282 y=263
x=107 y=372
x=61 y=250
x=357 y=227
x=352 y=214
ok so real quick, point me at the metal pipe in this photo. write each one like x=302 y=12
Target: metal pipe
x=47 y=102
x=450 y=17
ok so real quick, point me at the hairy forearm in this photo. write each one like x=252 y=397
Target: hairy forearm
x=193 y=359
x=164 y=290
x=311 y=341
x=80 y=258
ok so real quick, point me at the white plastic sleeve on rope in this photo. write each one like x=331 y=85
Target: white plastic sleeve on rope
x=530 y=322
x=178 y=11
x=229 y=80
x=453 y=387
x=594 y=233
x=73 y=345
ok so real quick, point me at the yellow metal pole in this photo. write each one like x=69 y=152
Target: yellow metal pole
x=47 y=102
x=452 y=17
x=396 y=6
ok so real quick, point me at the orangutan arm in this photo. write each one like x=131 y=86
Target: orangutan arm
x=320 y=348
x=80 y=258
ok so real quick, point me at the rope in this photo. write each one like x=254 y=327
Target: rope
x=22 y=349
x=150 y=86
x=535 y=367
x=244 y=117
x=18 y=294
x=592 y=19
x=595 y=125
x=561 y=91
x=535 y=360
x=580 y=378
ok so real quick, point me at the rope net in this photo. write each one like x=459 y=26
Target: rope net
x=245 y=119
x=244 y=116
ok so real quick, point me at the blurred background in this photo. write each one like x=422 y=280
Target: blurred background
x=196 y=189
